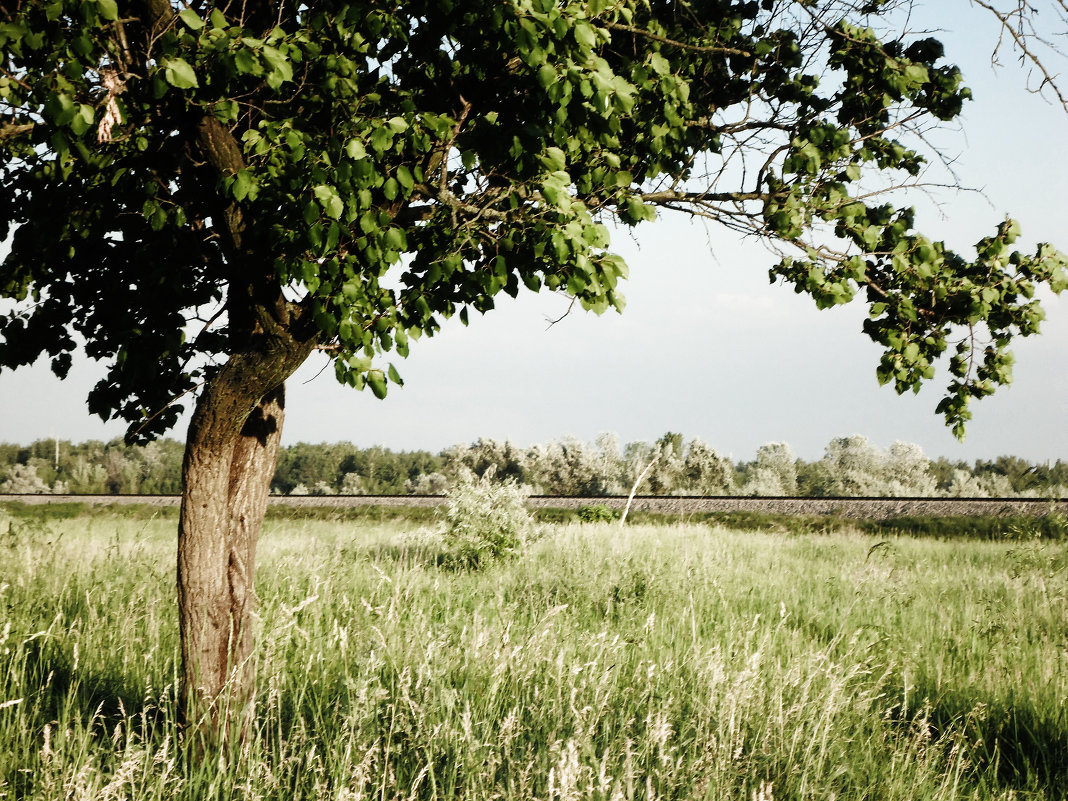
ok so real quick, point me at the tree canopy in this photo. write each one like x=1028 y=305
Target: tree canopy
x=203 y=193
x=352 y=173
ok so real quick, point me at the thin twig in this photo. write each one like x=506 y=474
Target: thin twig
x=730 y=51
x=634 y=489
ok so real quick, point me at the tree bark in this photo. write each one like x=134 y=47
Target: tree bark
x=230 y=457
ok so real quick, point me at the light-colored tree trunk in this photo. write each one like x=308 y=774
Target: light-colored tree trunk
x=231 y=452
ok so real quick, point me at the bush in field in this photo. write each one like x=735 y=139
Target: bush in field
x=352 y=484
x=598 y=513
x=484 y=520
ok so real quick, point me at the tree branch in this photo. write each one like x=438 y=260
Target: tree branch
x=12 y=129
x=671 y=196
x=730 y=51
x=1020 y=38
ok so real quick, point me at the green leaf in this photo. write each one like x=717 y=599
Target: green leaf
x=584 y=34
x=376 y=380
x=247 y=63
x=554 y=159
x=395 y=239
x=381 y=139
x=226 y=111
x=639 y=210
x=243 y=184
x=191 y=19
x=660 y=65
x=394 y=376
x=355 y=150
x=179 y=74
x=108 y=9
x=82 y=121
x=281 y=68
x=330 y=201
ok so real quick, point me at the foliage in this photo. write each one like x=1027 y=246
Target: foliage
x=1053 y=526
x=706 y=472
x=352 y=174
x=349 y=470
x=598 y=513
x=773 y=473
x=95 y=467
x=202 y=194
x=484 y=520
x=853 y=466
x=23 y=479
x=561 y=468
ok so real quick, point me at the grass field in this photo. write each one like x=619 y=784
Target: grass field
x=683 y=662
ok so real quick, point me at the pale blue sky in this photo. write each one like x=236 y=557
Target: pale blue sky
x=706 y=346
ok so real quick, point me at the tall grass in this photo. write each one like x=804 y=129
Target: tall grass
x=655 y=662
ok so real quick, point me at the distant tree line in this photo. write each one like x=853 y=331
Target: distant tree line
x=850 y=466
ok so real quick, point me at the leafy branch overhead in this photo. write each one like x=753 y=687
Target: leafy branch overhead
x=174 y=178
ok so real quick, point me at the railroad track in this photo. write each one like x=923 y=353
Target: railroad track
x=855 y=508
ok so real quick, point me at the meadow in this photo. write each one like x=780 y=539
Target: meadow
x=657 y=661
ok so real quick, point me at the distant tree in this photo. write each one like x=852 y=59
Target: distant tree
x=774 y=472
x=22 y=479
x=427 y=484
x=907 y=472
x=705 y=472
x=611 y=463
x=203 y=194
x=855 y=466
x=943 y=471
x=88 y=478
x=1020 y=474
x=162 y=466
x=567 y=467
x=501 y=460
x=1058 y=477
x=983 y=485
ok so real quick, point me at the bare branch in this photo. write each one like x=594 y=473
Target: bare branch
x=1022 y=40
x=672 y=196
x=551 y=322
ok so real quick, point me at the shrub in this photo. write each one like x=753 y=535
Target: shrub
x=484 y=520
x=598 y=513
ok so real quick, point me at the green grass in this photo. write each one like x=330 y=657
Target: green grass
x=683 y=661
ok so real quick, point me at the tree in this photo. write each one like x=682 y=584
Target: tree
x=856 y=467
x=774 y=472
x=908 y=471
x=705 y=472
x=203 y=194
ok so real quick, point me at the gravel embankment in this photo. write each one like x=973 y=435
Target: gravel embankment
x=855 y=508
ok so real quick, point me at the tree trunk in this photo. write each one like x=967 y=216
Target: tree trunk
x=230 y=457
